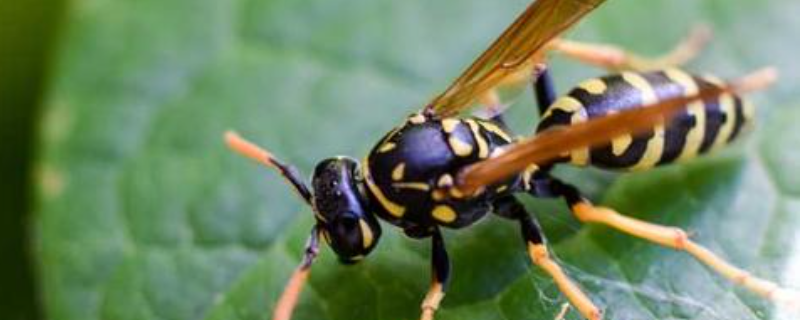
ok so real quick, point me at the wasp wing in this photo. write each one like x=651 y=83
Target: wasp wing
x=520 y=47
x=552 y=144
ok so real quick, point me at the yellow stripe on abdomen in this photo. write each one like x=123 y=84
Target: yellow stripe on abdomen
x=695 y=136
x=655 y=146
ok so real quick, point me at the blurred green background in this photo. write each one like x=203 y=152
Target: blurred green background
x=120 y=201
x=28 y=31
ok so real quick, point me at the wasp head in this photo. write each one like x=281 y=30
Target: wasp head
x=344 y=218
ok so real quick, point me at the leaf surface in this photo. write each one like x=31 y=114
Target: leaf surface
x=143 y=214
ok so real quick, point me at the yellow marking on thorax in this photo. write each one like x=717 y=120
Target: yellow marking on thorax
x=501 y=188
x=728 y=107
x=449 y=125
x=394 y=209
x=446 y=180
x=695 y=136
x=421 y=186
x=655 y=146
x=493 y=128
x=444 y=213
x=594 y=86
x=460 y=148
x=386 y=147
x=366 y=234
x=483 y=147
x=399 y=171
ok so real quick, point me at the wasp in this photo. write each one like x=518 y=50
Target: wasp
x=440 y=169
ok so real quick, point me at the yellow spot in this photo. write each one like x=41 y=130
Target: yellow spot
x=566 y=104
x=483 y=147
x=501 y=188
x=444 y=213
x=446 y=180
x=366 y=234
x=728 y=106
x=594 y=86
x=417 y=119
x=460 y=148
x=399 y=170
x=421 y=186
x=394 y=209
x=493 y=128
x=620 y=144
x=694 y=138
x=386 y=147
x=449 y=125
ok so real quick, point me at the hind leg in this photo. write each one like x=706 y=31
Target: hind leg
x=618 y=59
x=674 y=238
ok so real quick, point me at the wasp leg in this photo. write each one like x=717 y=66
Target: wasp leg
x=440 y=265
x=617 y=59
x=288 y=300
x=545 y=91
x=675 y=238
x=509 y=207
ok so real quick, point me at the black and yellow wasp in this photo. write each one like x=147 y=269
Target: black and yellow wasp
x=438 y=170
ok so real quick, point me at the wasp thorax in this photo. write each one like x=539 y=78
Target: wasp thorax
x=346 y=222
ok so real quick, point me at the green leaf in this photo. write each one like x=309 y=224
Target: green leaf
x=144 y=214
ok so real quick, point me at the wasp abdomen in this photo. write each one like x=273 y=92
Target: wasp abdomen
x=705 y=126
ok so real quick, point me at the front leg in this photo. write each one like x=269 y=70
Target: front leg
x=291 y=293
x=509 y=207
x=440 y=277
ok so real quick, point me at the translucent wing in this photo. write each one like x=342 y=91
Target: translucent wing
x=519 y=48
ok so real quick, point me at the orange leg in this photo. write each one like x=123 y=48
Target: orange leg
x=678 y=239
x=291 y=293
x=615 y=58
x=540 y=256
